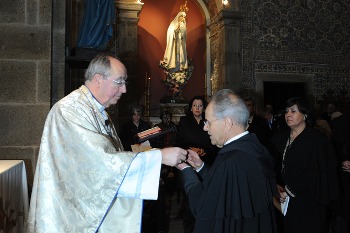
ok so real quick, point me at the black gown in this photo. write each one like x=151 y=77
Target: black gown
x=236 y=192
x=310 y=173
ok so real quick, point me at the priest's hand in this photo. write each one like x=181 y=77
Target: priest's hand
x=173 y=156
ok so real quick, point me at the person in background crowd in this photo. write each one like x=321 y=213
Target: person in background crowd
x=306 y=166
x=168 y=139
x=235 y=194
x=328 y=114
x=319 y=123
x=270 y=120
x=340 y=125
x=84 y=180
x=133 y=127
x=257 y=124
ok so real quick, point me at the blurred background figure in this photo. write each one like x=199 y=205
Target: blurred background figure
x=256 y=123
x=168 y=139
x=270 y=119
x=306 y=166
x=319 y=122
x=134 y=126
x=328 y=114
x=340 y=125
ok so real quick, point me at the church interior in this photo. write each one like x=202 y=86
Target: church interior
x=267 y=50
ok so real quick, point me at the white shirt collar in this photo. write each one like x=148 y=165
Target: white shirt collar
x=236 y=137
x=100 y=107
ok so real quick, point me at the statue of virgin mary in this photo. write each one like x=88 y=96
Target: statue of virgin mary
x=175 y=62
x=175 y=56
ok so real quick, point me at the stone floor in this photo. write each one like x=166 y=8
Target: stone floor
x=175 y=225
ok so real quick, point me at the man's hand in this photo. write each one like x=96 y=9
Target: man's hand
x=194 y=159
x=346 y=166
x=199 y=151
x=181 y=166
x=282 y=193
x=172 y=156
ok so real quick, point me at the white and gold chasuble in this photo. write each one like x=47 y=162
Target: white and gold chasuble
x=83 y=180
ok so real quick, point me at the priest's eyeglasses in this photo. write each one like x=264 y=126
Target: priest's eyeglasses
x=120 y=82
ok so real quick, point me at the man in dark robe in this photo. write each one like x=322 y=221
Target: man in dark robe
x=235 y=194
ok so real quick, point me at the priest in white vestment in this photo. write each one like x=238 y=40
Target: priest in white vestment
x=84 y=181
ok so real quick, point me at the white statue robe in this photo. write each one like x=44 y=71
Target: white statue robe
x=83 y=180
x=175 y=56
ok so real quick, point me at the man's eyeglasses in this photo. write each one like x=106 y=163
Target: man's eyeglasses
x=120 y=82
x=207 y=123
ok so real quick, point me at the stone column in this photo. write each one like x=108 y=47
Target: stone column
x=226 y=50
x=126 y=49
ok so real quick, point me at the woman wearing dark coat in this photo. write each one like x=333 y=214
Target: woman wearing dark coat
x=191 y=134
x=131 y=128
x=306 y=165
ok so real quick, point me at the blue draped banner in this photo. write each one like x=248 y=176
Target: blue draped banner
x=97 y=26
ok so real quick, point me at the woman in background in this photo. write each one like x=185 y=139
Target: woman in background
x=306 y=165
x=134 y=126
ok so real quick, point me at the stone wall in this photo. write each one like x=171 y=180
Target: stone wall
x=25 y=65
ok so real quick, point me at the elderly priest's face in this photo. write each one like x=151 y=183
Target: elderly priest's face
x=114 y=86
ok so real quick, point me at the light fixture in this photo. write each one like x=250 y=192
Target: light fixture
x=225 y=2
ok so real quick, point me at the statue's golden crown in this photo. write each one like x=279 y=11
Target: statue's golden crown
x=184 y=7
